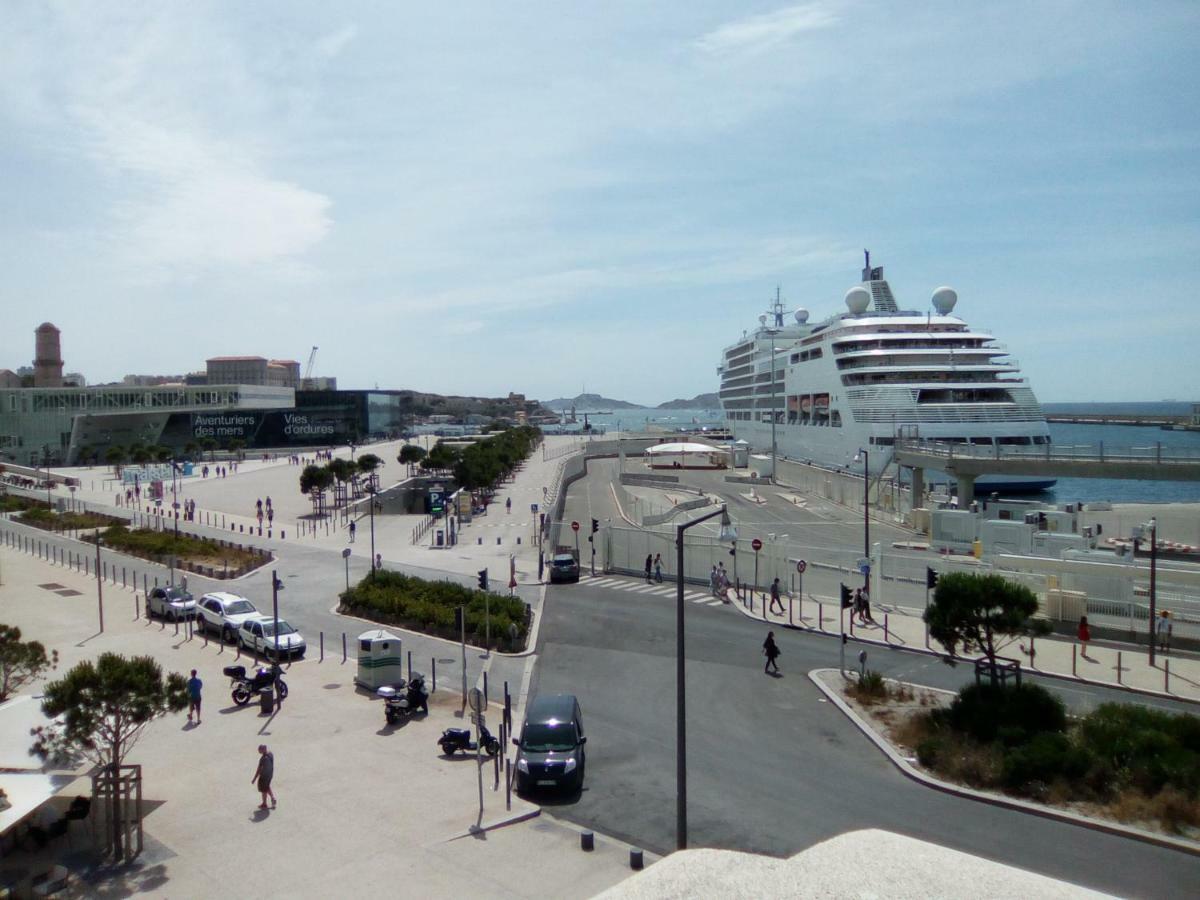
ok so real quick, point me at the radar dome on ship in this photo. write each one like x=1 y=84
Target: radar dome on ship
x=944 y=299
x=857 y=300
x=801 y=315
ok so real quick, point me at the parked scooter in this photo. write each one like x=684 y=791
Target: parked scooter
x=454 y=739
x=246 y=687
x=404 y=699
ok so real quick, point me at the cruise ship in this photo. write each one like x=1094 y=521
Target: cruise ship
x=862 y=378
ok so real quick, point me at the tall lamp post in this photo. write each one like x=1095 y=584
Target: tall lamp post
x=866 y=515
x=371 y=500
x=1139 y=531
x=728 y=533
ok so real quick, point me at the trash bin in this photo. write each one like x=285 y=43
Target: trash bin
x=441 y=538
x=267 y=701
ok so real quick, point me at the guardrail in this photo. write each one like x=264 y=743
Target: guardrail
x=1156 y=452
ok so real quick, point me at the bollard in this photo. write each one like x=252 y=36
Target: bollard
x=137 y=608
x=886 y=640
x=1074 y=653
x=635 y=858
x=485 y=690
x=343 y=646
x=497 y=542
x=205 y=637
x=927 y=636
x=176 y=625
x=410 y=665
x=1118 y=667
x=820 y=616
x=122 y=576
x=1032 y=652
x=479 y=541
x=433 y=674
x=322 y=639
x=791 y=620
x=587 y=841
x=1166 y=675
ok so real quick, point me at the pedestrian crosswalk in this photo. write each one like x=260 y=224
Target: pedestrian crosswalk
x=664 y=590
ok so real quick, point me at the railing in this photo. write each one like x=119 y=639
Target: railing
x=1155 y=453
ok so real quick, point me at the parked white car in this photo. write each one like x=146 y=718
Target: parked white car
x=171 y=603
x=261 y=636
x=224 y=613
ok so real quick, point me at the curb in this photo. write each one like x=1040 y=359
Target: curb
x=1024 y=806
x=1041 y=673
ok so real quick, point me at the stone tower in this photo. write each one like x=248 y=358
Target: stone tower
x=47 y=361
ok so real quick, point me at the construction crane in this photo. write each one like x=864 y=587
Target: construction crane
x=308 y=370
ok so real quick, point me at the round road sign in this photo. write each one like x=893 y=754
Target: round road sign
x=574 y=526
x=756 y=544
x=801 y=565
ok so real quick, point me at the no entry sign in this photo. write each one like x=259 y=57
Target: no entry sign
x=574 y=526
x=756 y=544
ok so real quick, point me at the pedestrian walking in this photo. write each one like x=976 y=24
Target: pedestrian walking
x=264 y=774
x=1085 y=634
x=649 y=565
x=771 y=652
x=194 y=686
x=508 y=505
x=1162 y=628
x=713 y=581
x=658 y=567
x=352 y=530
x=775 y=601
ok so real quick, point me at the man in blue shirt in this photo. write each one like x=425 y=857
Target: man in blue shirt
x=193 y=688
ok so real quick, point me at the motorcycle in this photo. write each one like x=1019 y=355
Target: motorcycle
x=246 y=687
x=404 y=699
x=454 y=739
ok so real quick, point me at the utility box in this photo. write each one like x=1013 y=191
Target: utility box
x=380 y=662
x=739 y=455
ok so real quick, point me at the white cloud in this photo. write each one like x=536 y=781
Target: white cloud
x=762 y=32
x=330 y=45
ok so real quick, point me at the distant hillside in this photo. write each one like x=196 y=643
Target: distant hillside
x=588 y=402
x=700 y=401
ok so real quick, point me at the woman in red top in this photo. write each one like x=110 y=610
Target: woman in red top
x=1085 y=635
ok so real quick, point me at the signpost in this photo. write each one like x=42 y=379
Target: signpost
x=801 y=565
x=575 y=528
x=756 y=544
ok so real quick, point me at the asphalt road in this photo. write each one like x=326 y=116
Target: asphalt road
x=772 y=766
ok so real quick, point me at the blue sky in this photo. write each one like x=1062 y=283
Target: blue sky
x=478 y=198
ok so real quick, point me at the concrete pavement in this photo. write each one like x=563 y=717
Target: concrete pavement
x=362 y=805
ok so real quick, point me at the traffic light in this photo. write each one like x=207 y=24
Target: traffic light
x=483 y=580
x=595 y=525
x=846 y=601
x=931 y=578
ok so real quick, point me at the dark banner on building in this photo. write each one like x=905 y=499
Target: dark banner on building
x=313 y=426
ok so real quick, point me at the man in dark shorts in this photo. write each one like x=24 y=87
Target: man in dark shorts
x=194 y=686
x=263 y=775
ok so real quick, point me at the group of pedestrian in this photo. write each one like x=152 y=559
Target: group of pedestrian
x=218 y=471
x=189 y=510
x=269 y=511
x=861 y=607
x=654 y=564
x=718 y=581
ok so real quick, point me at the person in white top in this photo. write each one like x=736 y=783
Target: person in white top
x=1163 y=629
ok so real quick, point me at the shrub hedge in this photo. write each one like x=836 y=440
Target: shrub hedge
x=1012 y=715
x=150 y=544
x=394 y=598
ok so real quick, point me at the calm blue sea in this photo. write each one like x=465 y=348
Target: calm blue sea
x=1067 y=490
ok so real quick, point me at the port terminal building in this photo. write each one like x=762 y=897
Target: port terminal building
x=68 y=425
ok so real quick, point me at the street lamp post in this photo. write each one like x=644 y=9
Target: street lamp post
x=866 y=515
x=728 y=533
x=175 y=496
x=1153 y=581
x=371 y=500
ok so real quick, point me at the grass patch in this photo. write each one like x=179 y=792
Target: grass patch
x=392 y=598
x=49 y=520
x=191 y=552
x=13 y=503
x=1127 y=762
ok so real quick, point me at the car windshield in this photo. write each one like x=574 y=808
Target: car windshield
x=284 y=628
x=239 y=608
x=176 y=594
x=564 y=560
x=558 y=738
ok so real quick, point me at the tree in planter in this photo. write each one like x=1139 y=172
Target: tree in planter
x=105 y=707
x=369 y=465
x=140 y=455
x=191 y=449
x=237 y=445
x=115 y=456
x=442 y=456
x=342 y=470
x=21 y=661
x=314 y=481
x=162 y=454
x=981 y=614
x=209 y=444
x=411 y=455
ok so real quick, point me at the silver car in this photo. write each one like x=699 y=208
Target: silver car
x=171 y=603
x=261 y=636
